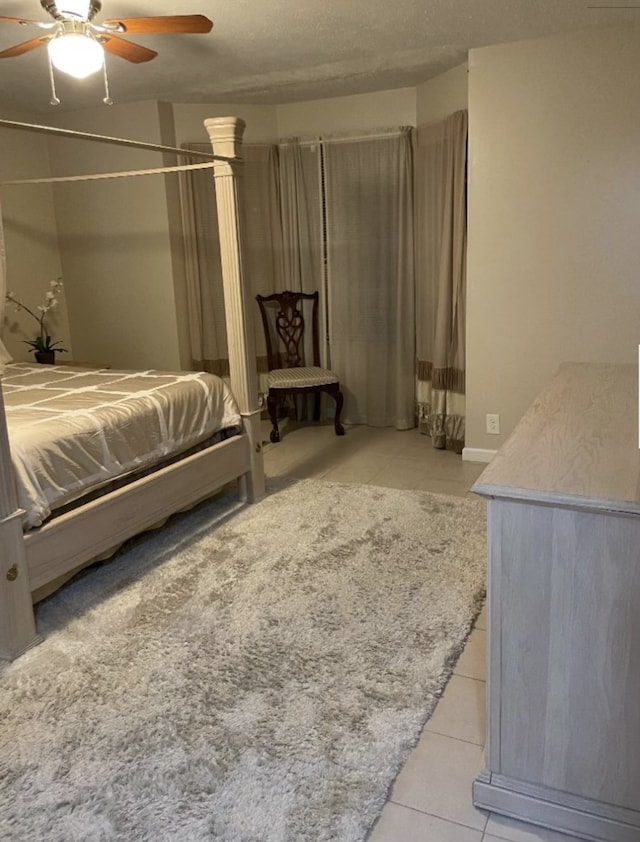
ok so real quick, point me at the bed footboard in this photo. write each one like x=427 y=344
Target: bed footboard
x=17 y=623
x=70 y=540
x=65 y=543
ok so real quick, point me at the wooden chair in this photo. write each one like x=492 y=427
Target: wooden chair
x=285 y=340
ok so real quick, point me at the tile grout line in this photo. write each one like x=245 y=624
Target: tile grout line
x=449 y=737
x=442 y=818
x=425 y=813
x=458 y=739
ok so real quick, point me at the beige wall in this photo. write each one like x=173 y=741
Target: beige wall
x=30 y=236
x=118 y=242
x=362 y=112
x=115 y=242
x=433 y=100
x=189 y=121
x=268 y=123
x=440 y=97
x=554 y=204
x=176 y=239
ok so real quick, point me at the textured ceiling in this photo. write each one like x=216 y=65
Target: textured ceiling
x=292 y=50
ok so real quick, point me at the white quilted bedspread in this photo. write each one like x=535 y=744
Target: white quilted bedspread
x=73 y=430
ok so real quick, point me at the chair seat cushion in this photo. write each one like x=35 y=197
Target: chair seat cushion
x=300 y=378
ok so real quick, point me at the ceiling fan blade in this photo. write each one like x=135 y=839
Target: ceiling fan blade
x=126 y=49
x=162 y=24
x=23 y=21
x=25 y=47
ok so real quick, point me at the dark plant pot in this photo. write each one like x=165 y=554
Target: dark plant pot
x=46 y=357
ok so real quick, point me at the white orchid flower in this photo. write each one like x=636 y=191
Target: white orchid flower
x=42 y=342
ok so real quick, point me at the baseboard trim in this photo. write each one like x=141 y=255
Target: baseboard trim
x=477 y=454
x=545 y=809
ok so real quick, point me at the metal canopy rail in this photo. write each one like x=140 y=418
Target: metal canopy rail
x=136 y=144
x=103 y=175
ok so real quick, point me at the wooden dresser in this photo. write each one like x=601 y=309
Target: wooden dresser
x=563 y=688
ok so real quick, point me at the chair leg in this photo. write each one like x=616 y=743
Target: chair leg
x=316 y=406
x=272 y=407
x=334 y=391
x=339 y=401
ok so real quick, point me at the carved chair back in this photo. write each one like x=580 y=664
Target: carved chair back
x=285 y=328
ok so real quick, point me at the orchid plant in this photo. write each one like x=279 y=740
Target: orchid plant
x=42 y=342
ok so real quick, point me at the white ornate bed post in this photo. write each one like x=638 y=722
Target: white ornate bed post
x=225 y=134
x=17 y=623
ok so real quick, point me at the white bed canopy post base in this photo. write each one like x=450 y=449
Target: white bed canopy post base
x=17 y=622
x=225 y=134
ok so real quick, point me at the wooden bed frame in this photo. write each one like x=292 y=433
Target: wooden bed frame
x=30 y=561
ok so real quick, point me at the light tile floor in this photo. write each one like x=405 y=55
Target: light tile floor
x=431 y=798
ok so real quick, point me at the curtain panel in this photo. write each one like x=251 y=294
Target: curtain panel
x=263 y=253
x=377 y=224
x=301 y=220
x=371 y=300
x=440 y=167
x=301 y=215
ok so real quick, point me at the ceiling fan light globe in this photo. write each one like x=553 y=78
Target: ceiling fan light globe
x=76 y=54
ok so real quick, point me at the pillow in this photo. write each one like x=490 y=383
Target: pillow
x=5 y=356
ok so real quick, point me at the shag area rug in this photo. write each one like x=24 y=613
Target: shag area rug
x=246 y=674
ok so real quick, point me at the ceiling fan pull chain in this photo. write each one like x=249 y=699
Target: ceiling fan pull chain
x=54 y=97
x=107 y=97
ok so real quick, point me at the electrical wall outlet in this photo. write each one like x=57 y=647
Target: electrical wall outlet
x=493 y=423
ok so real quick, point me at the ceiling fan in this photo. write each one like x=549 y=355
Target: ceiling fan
x=76 y=44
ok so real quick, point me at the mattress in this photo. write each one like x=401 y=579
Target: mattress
x=74 y=430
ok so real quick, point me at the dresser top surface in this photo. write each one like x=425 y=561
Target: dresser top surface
x=577 y=444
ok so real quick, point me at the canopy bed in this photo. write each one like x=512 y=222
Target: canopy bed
x=32 y=559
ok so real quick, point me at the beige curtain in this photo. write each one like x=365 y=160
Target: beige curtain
x=440 y=164
x=262 y=252
x=369 y=216
x=301 y=213
x=301 y=216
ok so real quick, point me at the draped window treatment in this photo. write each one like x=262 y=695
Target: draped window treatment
x=377 y=224
x=369 y=218
x=301 y=218
x=440 y=158
x=301 y=214
x=263 y=253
